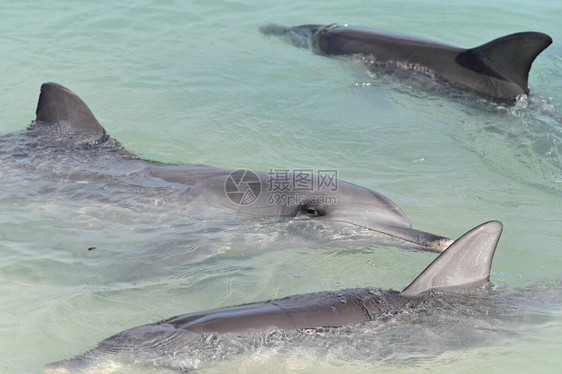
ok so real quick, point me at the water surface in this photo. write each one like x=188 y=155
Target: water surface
x=196 y=82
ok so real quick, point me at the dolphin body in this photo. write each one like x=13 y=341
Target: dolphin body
x=67 y=140
x=498 y=69
x=467 y=262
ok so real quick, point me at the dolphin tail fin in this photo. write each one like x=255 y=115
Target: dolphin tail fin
x=468 y=260
x=60 y=106
x=298 y=36
x=509 y=57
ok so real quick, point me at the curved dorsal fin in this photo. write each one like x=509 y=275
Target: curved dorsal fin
x=59 y=105
x=468 y=260
x=509 y=57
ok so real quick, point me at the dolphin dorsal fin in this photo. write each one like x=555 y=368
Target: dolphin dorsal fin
x=468 y=260
x=509 y=57
x=60 y=106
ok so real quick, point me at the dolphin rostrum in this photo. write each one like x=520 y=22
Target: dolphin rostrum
x=67 y=139
x=467 y=262
x=498 y=69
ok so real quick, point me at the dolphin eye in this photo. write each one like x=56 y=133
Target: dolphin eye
x=311 y=211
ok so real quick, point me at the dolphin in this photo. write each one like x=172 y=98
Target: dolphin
x=465 y=264
x=67 y=140
x=498 y=69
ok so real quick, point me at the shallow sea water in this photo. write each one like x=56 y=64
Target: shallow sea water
x=195 y=82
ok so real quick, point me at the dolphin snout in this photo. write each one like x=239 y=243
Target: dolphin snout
x=432 y=242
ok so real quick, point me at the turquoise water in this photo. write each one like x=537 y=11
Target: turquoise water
x=195 y=82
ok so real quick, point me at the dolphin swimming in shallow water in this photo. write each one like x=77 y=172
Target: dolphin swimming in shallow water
x=498 y=69
x=67 y=140
x=466 y=263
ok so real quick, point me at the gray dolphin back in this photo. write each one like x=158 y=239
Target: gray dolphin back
x=498 y=69
x=60 y=106
x=508 y=58
x=468 y=260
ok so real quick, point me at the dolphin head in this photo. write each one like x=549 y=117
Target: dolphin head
x=353 y=204
x=343 y=202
